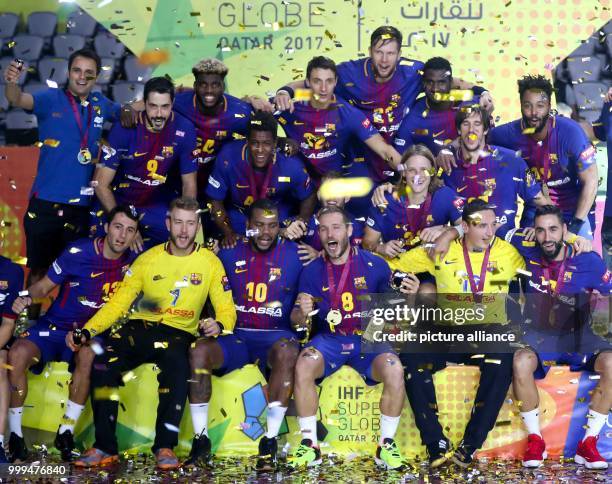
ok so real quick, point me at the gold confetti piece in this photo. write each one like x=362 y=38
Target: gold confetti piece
x=202 y=371
x=524 y=272
x=7 y=366
x=472 y=136
x=529 y=130
x=345 y=187
x=302 y=95
x=128 y=376
x=154 y=57
x=161 y=178
x=495 y=362
x=455 y=95
x=53 y=143
x=106 y=393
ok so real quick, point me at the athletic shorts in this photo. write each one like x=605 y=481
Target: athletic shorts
x=51 y=341
x=575 y=361
x=49 y=227
x=250 y=346
x=338 y=350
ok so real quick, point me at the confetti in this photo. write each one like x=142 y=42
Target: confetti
x=345 y=187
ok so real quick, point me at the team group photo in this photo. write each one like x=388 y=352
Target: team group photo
x=305 y=241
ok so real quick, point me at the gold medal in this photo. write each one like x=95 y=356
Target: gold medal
x=334 y=318
x=84 y=156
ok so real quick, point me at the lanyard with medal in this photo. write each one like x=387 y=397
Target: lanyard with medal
x=334 y=316
x=476 y=290
x=263 y=192
x=84 y=156
x=545 y=159
x=554 y=291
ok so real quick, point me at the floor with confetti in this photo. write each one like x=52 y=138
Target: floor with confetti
x=141 y=468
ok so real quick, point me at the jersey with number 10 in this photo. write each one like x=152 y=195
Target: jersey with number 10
x=264 y=284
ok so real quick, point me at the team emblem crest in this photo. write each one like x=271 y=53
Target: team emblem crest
x=567 y=276
x=3 y=285
x=167 y=151
x=196 y=278
x=360 y=283
x=275 y=273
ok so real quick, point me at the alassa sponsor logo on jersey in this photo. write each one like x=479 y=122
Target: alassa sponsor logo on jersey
x=184 y=313
x=323 y=154
x=152 y=183
x=274 y=312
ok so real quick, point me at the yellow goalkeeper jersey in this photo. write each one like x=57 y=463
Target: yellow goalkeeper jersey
x=452 y=281
x=169 y=289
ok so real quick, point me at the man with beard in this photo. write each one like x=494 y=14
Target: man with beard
x=431 y=121
x=479 y=265
x=263 y=272
x=88 y=273
x=325 y=125
x=143 y=157
x=559 y=287
x=246 y=171
x=338 y=282
x=170 y=284
x=557 y=151
x=489 y=172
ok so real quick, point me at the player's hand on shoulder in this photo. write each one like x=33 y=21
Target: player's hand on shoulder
x=137 y=244
x=283 y=101
x=378 y=197
x=430 y=234
x=295 y=230
x=260 y=104
x=307 y=253
x=446 y=160
x=129 y=116
x=230 y=240
x=391 y=249
x=486 y=102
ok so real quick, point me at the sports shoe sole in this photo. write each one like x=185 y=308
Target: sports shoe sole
x=384 y=465
x=600 y=465
x=534 y=464
x=113 y=459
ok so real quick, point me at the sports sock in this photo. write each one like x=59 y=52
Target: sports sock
x=199 y=418
x=14 y=418
x=275 y=418
x=308 y=426
x=531 y=420
x=388 y=427
x=595 y=422
x=71 y=415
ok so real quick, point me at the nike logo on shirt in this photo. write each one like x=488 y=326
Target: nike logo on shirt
x=96 y=274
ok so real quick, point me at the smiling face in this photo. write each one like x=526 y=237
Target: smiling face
x=480 y=230
x=209 y=89
x=158 y=107
x=472 y=133
x=322 y=82
x=261 y=148
x=335 y=235
x=267 y=226
x=535 y=109
x=82 y=76
x=418 y=174
x=436 y=81
x=183 y=226
x=120 y=233
x=550 y=232
x=385 y=55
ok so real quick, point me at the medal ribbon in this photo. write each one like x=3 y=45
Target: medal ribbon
x=84 y=134
x=476 y=290
x=417 y=218
x=546 y=270
x=159 y=139
x=335 y=292
x=253 y=186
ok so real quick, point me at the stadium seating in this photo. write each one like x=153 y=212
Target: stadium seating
x=81 y=23
x=53 y=70
x=8 y=25
x=64 y=45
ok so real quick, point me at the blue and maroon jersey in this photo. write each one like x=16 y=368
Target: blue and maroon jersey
x=87 y=280
x=323 y=134
x=432 y=128
x=11 y=282
x=603 y=130
x=264 y=284
x=288 y=181
x=384 y=104
x=312 y=234
x=499 y=178
x=230 y=122
x=571 y=280
x=367 y=274
x=143 y=159
x=556 y=161
x=403 y=221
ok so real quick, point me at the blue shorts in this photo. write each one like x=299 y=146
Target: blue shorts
x=250 y=346
x=575 y=361
x=338 y=350
x=51 y=342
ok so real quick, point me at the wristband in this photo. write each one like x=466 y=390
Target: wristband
x=459 y=228
x=479 y=90
x=575 y=225
x=288 y=90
